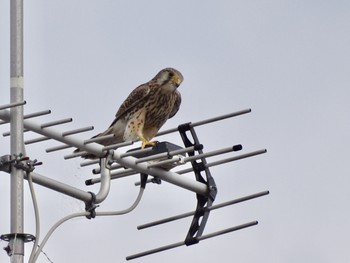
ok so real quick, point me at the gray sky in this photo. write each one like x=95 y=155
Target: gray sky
x=289 y=61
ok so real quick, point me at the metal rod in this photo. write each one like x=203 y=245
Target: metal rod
x=66 y=133
x=31 y=115
x=74 y=155
x=8 y=133
x=228 y=230
x=209 y=154
x=198 y=123
x=16 y=245
x=114 y=175
x=37 y=114
x=156 y=250
x=11 y=105
x=236 y=158
x=217 y=206
x=57 y=148
x=119 y=174
x=222 y=117
x=181 y=243
x=186 y=150
x=60 y=187
x=54 y=123
x=231 y=159
x=89 y=162
x=40 y=139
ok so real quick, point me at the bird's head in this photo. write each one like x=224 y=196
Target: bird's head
x=169 y=78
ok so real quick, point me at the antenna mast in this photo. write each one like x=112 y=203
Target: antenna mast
x=16 y=244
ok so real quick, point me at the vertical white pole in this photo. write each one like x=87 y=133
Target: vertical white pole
x=17 y=146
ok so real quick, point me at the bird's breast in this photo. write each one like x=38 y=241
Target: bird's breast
x=149 y=115
x=158 y=109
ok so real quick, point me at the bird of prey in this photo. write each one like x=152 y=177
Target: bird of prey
x=145 y=110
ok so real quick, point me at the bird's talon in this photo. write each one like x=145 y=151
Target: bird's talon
x=148 y=144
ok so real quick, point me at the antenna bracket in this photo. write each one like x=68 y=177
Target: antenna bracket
x=201 y=215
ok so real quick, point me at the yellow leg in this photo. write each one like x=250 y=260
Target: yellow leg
x=146 y=142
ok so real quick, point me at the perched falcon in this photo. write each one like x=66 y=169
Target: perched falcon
x=145 y=110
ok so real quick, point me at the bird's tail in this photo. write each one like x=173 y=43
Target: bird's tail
x=116 y=139
x=88 y=155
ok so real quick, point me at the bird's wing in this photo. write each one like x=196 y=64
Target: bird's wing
x=177 y=103
x=134 y=98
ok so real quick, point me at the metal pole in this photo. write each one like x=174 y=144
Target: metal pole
x=16 y=70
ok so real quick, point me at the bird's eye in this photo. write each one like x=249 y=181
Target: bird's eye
x=171 y=74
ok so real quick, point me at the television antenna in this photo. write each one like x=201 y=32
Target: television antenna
x=154 y=164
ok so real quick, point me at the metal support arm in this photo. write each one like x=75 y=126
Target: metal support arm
x=127 y=161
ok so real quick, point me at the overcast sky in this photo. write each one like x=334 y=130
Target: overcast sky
x=289 y=61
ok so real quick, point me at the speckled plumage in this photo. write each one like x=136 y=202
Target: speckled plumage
x=146 y=109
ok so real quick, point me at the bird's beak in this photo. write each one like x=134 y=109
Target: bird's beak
x=177 y=82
